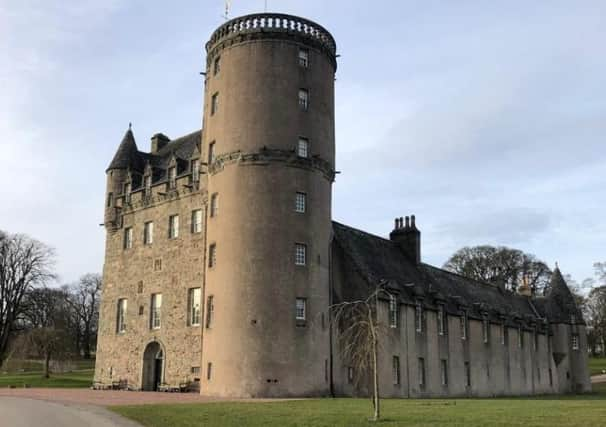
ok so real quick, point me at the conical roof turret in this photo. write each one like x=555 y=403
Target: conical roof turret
x=127 y=152
x=561 y=304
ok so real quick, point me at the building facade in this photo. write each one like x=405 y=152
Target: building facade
x=222 y=259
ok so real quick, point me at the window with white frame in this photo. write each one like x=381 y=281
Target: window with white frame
x=121 y=318
x=463 y=322
x=300 y=202
x=300 y=254
x=196 y=221
x=173 y=226
x=441 y=320
x=303 y=99
x=214 y=104
x=575 y=341
x=172 y=177
x=214 y=205
x=444 y=371
x=212 y=255
x=128 y=238
x=300 y=309
x=148 y=233
x=194 y=304
x=303 y=147
x=421 y=366
x=485 y=330
x=419 y=317
x=395 y=367
x=195 y=170
x=156 y=311
x=303 y=58
x=393 y=311
x=210 y=311
x=127 y=192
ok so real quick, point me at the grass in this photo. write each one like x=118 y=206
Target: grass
x=583 y=410
x=29 y=373
x=596 y=365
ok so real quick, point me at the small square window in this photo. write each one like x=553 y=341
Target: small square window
x=396 y=370
x=128 y=238
x=196 y=221
x=157 y=265
x=300 y=254
x=217 y=65
x=212 y=255
x=304 y=99
x=304 y=58
x=148 y=233
x=195 y=370
x=214 y=104
x=575 y=341
x=210 y=311
x=173 y=226
x=303 y=147
x=300 y=309
x=300 y=202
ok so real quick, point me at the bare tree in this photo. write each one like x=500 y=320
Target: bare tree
x=83 y=298
x=500 y=265
x=24 y=264
x=358 y=331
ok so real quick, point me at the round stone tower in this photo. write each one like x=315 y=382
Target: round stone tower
x=268 y=138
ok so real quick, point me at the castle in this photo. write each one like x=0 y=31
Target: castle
x=222 y=259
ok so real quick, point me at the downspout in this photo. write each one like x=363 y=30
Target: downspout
x=330 y=302
x=407 y=351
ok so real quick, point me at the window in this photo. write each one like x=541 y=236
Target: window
x=485 y=330
x=444 y=371
x=396 y=370
x=300 y=202
x=157 y=265
x=173 y=226
x=196 y=221
x=550 y=378
x=217 y=65
x=127 y=191
x=121 y=319
x=467 y=374
x=304 y=58
x=194 y=306
x=209 y=371
x=211 y=153
x=300 y=254
x=141 y=310
x=463 y=320
x=210 y=311
x=575 y=341
x=156 y=307
x=148 y=233
x=393 y=311
x=419 y=318
x=503 y=331
x=303 y=99
x=110 y=199
x=195 y=170
x=350 y=374
x=148 y=183
x=214 y=104
x=520 y=337
x=421 y=372
x=303 y=147
x=214 y=205
x=172 y=178
x=536 y=340
x=128 y=238
x=212 y=255
x=300 y=309
x=441 y=320
x=195 y=370
x=140 y=287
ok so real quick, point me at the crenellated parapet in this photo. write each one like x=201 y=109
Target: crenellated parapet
x=272 y=26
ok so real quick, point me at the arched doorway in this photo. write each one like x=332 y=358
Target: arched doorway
x=153 y=367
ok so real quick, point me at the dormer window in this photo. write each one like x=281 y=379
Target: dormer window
x=147 y=183
x=195 y=170
x=172 y=177
x=485 y=329
x=441 y=320
x=419 y=317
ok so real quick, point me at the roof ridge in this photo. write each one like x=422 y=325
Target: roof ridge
x=453 y=273
x=362 y=231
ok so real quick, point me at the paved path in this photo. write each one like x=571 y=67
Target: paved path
x=21 y=412
x=598 y=379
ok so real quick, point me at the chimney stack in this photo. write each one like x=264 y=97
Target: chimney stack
x=159 y=141
x=408 y=237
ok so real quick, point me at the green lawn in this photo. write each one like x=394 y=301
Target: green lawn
x=596 y=365
x=588 y=410
x=29 y=373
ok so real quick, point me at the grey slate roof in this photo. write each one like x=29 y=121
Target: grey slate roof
x=127 y=153
x=377 y=259
x=559 y=304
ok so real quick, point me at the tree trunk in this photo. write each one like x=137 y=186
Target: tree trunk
x=86 y=345
x=375 y=370
x=47 y=360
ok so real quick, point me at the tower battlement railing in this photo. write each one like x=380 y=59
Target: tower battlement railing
x=274 y=24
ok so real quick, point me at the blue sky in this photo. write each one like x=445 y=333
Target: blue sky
x=485 y=119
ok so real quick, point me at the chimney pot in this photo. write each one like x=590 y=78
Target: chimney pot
x=407 y=222
x=412 y=221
